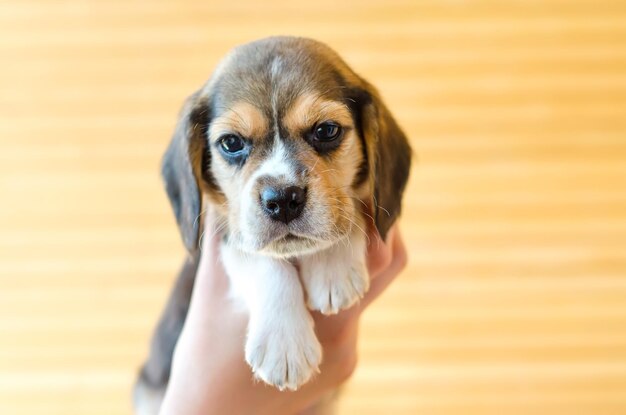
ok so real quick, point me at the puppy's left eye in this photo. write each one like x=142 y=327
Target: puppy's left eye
x=232 y=144
x=327 y=131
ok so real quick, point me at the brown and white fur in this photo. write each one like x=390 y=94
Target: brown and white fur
x=273 y=96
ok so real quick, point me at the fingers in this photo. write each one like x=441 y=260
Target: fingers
x=209 y=237
x=210 y=275
x=396 y=252
x=379 y=253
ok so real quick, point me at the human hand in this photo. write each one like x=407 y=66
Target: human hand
x=209 y=373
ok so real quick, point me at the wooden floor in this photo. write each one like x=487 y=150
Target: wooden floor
x=514 y=300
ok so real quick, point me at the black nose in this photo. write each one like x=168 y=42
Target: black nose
x=283 y=205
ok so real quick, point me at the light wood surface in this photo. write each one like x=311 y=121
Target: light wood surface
x=514 y=300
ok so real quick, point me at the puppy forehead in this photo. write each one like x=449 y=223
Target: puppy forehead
x=271 y=73
x=242 y=118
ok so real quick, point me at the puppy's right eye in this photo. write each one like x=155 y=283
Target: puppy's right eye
x=232 y=144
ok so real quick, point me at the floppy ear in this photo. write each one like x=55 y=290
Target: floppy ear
x=388 y=157
x=183 y=163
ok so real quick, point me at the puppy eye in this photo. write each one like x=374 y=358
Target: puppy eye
x=327 y=131
x=232 y=143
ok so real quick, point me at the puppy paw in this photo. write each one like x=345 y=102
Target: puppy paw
x=330 y=293
x=282 y=355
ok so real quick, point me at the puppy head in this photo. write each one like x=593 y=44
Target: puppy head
x=289 y=144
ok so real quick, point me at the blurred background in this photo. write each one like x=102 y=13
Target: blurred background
x=514 y=299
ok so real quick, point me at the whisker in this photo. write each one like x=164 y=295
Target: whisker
x=355 y=224
x=219 y=226
x=195 y=221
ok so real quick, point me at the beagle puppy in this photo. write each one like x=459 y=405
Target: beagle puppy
x=296 y=154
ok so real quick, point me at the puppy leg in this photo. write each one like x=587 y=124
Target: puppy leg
x=154 y=376
x=336 y=278
x=281 y=347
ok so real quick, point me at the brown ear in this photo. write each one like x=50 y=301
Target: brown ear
x=388 y=156
x=184 y=159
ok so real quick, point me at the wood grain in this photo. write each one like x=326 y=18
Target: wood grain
x=514 y=300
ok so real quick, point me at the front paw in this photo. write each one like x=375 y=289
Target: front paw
x=283 y=355
x=330 y=293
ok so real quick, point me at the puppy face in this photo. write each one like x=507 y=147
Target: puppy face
x=287 y=142
x=305 y=161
